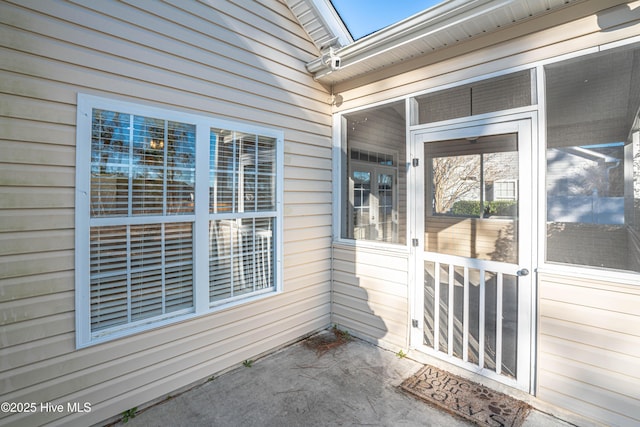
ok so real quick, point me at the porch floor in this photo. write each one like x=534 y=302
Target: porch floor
x=355 y=383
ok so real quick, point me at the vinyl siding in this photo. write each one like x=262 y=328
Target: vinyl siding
x=589 y=346
x=587 y=338
x=370 y=294
x=228 y=59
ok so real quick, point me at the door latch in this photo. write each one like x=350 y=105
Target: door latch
x=522 y=272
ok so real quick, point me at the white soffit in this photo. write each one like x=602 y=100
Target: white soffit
x=440 y=26
x=321 y=21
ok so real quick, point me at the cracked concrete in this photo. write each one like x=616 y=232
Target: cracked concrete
x=351 y=384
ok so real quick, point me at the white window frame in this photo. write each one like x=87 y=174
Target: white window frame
x=512 y=182
x=201 y=303
x=375 y=169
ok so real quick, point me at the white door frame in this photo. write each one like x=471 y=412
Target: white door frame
x=525 y=125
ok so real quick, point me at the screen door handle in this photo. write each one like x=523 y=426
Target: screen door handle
x=522 y=272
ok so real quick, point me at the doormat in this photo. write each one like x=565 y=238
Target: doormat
x=465 y=398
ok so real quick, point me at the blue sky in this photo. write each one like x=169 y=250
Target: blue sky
x=363 y=17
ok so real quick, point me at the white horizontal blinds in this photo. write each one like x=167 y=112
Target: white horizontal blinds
x=110 y=163
x=486 y=96
x=266 y=174
x=142 y=174
x=180 y=168
x=147 y=171
x=263 y=252
x=242 y=194
x=223 y=163
x=593 y=152
x=178 y=265
x=109 y=277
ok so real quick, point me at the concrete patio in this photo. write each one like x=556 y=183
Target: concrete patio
x=355 y=383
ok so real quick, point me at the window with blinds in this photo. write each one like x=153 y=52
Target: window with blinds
x=242 y=213
x=143 y=197
x=593 y=160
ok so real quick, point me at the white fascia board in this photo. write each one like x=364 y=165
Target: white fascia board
x=423 y=24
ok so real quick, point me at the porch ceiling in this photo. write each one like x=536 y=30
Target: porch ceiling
x=443 y=25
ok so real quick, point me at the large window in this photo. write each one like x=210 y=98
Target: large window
x=150 y=185
x=593 y=160
x=374 y=175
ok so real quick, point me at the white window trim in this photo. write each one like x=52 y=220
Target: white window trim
x=201 y=304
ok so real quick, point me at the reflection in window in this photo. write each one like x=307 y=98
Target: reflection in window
x=138 y=264
x=374 y=203
x=140 y=166
x=593 y=160
x=471 y=197
x=481 y=185
x=242 y=203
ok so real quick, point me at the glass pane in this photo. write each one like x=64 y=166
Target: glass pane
x=222 y=171
x=264 y=253
x=242 y=172
x=146 y=271
x=243 y=262
x=108 y=266
x=110 y=154
x=361 y=208
x=148 y=166
x=143 y=162
x=386 y=226
x=145 y=246
x=266 y=179
x=221 y=243
x=593 y=160
x=241 y=256
x=456 y=182
x=465 y=215
x=373 y=183
x=247 y=173
x=181 y=168
x=178 y=265
x=146 y=294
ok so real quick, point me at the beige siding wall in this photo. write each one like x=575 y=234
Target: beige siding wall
x=588 y=339
x=229 y=60
x=370 y=294
x=589 y=348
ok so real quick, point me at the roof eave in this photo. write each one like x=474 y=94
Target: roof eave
x=420 y=25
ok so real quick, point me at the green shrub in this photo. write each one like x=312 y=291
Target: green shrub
x=471 y=208
x=466 y=208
